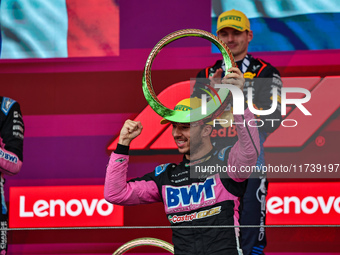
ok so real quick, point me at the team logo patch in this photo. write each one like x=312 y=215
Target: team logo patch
x=249 y=75
x=194 y=216
x=221 y=154
x=8 y=157
x=160 y=169
x=6 y=105
x=194 y=196
x=120 y=160
x=256 y=67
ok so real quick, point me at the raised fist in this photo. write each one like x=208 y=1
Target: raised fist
x=130 y=130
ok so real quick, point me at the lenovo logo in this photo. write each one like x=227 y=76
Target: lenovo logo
x=73 y=207
x=303 y=203
x=307 y=205
x=62 y=206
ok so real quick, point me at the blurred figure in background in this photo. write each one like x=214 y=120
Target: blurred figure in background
x=11 y=155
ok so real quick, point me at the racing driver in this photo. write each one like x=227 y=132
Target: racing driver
x=200 y=203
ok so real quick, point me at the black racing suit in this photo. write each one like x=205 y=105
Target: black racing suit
x=261 y=77
x=209 y=199
x=11 y=154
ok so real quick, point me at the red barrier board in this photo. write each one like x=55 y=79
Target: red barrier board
x=303 y=203
x=62 y=206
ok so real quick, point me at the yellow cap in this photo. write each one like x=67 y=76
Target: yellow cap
x=186 y=105
x=234 y=19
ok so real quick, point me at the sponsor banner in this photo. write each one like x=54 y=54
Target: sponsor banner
x=303 y=203
x=62 y=206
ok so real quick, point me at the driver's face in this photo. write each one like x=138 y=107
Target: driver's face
x=186 y=136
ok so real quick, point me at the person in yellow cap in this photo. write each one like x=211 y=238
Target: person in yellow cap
x=202 y=190
x=233 y=28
